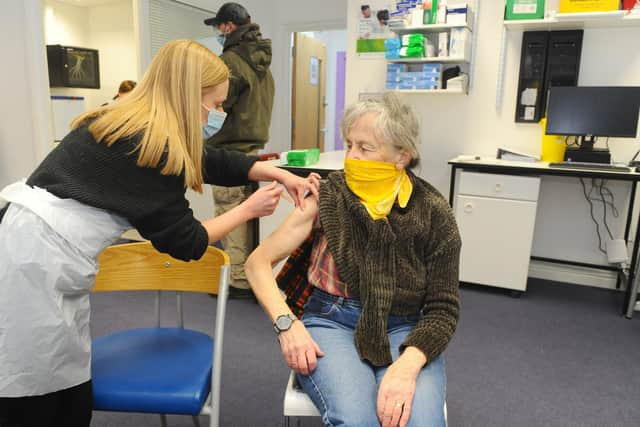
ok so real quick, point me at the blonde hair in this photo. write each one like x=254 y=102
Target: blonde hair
x=165 y=109
x=396 y=123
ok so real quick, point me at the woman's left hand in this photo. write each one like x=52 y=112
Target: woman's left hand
x=298 y=187
x=397 y=388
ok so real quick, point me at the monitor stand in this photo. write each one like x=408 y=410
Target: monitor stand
x=587 y=153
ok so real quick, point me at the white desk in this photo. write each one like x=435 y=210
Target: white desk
x=328 y=162
x=493 y=187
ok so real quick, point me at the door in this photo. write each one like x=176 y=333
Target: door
x=496 y=240
x=308 y=101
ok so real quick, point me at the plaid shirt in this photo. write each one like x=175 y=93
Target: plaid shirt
x=323 y=272
x=292 y=278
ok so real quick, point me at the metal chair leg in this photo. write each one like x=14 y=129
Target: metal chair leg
x=196 y=420
x=163 y=420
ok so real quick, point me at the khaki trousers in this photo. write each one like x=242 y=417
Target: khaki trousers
x=241 y=241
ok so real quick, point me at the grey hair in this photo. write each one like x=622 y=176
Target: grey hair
x=395 y=125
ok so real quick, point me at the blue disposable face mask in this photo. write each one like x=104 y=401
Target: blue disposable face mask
x=214 y=123
x=221 y=37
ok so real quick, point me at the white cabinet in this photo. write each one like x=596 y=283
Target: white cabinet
x=496 y=216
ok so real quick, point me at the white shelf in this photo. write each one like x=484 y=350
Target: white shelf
x=572 y=21
x=561 y=21
x=432 y=91
x=432 y=28
x=443 y=59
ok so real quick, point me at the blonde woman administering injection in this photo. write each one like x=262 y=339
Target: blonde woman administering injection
x=125 y=164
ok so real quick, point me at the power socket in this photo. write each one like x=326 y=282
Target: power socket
x=617 y=251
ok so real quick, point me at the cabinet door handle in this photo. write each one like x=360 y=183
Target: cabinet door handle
x=468 y=207
x=498 y=188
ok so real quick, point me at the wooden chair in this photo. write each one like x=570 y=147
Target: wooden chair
x=159 y=369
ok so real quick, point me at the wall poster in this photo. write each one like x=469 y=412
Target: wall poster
x=373 y=26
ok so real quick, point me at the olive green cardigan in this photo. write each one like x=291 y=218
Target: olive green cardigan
x=402 y=265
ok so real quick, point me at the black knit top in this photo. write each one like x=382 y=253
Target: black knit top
x=105 y=177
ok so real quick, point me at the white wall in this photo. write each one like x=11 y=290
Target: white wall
x=107 y=28
x=452 y=125
x=25 y=132
x=111 y=32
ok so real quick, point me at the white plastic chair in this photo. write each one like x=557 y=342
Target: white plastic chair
x=298 y=404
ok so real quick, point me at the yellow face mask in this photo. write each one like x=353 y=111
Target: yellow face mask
x=378 y=184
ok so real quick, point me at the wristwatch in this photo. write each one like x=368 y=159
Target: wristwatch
x=283 y=322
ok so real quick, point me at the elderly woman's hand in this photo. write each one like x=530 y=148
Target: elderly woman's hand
x=298 y=187
x=300 y=351
x=397 y=388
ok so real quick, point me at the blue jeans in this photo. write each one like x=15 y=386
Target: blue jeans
x=344 y=387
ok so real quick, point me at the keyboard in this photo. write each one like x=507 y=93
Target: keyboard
x=591 y=166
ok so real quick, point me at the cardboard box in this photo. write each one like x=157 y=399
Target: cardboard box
x=575 y=6
x=457 y=14
x=460 y=43
x=524 y=9
x=443 y=44
x=304 y=157
x=429 y=11
x=396 y=67
x=430 y=68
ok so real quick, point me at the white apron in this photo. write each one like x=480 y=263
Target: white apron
x=48 y=252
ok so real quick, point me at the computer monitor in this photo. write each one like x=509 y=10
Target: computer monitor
x=590 y=111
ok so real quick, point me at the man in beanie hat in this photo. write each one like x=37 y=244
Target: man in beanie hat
x=246 y=128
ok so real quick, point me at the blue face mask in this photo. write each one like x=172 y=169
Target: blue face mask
x=221 y=38
x=214 y=122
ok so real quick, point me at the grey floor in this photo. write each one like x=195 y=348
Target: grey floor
x=562 y=355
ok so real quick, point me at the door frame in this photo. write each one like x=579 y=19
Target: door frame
x=283 y=125
x=320 y=137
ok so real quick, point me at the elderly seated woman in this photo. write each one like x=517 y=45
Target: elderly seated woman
x=375 y=271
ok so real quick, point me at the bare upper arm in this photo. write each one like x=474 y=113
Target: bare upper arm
x=290 y=235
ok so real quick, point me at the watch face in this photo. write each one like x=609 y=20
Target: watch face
x=283 y=323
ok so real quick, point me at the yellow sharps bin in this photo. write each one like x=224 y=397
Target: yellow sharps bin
x=553 y=146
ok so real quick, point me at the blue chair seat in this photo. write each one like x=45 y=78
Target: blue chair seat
x=167 y=371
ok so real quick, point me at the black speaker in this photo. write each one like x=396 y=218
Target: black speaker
x=533 y=64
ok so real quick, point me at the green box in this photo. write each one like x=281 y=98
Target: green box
x=430 y=13
x=524 y=9
x=305 y=157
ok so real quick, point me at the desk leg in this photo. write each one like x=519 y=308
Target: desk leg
x=627 y=227
x=631 y=292
x=452 y=184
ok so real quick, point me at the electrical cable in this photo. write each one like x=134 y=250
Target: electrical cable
x=586 y=196
x=611 y=204
x=604 y=210
x=571 y=144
